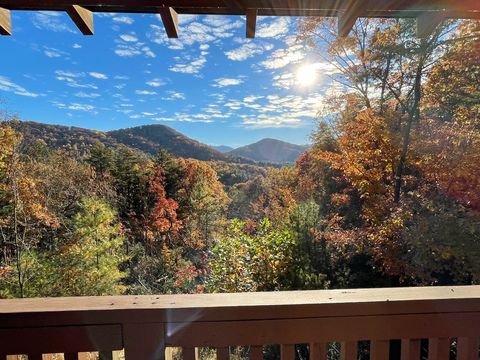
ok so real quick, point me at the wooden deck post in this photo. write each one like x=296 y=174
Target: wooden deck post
x=144 y=341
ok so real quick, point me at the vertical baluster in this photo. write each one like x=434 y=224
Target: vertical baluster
x=144 y=341
x=410 y=349
x=379 y=349
x=318 y=351
x=287 y=352
x=349 y=350
x=438 y=349
x=223 y=353
x=255 y=353
x=467 y=348
x=35 y=357
x=188 y=353
x=105 y=355
x=70 y=356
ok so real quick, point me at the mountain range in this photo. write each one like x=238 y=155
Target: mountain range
x=151 y=138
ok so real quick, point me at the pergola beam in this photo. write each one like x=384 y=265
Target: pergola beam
x=348 y=11
x=170 y=21
x=82 y=17
x=5 y=22
x=348 y=17
x=251 y=22
x=428 y=22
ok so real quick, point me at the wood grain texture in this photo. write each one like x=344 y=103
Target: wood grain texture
x=223 y=353
x=255 y=353
x=410 y=349
x=348 y=17
x=5 y=22
x=369 y=8
x=439 y=348
x=251 y=15
x=349 y=350
x=61 y=339
x=82 y=17
x=144 y=341
x=287 y=352
x=170 y=21
x=318 y=351
x=467 y=348
x=379 y=350
x=188 y=353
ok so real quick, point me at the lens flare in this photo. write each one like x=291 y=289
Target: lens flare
x=306 y=75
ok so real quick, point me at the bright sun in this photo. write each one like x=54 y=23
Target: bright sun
x=306 y=75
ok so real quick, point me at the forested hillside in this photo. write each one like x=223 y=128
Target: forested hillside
x=387 y=195
x=270 y=151
x=151 y=138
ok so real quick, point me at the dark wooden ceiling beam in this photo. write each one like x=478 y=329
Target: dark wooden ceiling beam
x=348 y=16
x=251 y=22
x=428 y=22
x=5 y=22
x=348 y=11
x=270 y=6
x=170 y=21
x=82 y=17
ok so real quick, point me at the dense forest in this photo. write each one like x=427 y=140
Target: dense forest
x=387 y=195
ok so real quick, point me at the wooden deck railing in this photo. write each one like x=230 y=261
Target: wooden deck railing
x=145 y=325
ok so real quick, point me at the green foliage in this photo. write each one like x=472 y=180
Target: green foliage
x=89 y=262
x=246 y=260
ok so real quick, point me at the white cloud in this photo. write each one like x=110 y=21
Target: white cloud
x=145 y=92
x=227 y=82
x=129 y=38
x=76 y=107
x=51 y=20
x=76 y=46
x=123 y=20
x=190 y=66
x=53 y=53
x=7 y=85
x=248 y=50
x=212 y=28
x=155 y=83
x=129 y=46
x=283 y=57
x=174 y=95
x=72 y=79
x=97 y=75
x=274 y=29
x=85 y=95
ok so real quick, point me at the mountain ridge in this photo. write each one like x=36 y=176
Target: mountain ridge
x=270 y=150
x=148 y=139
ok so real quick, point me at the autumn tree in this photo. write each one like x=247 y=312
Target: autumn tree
x=245 y=261
x=24 y=216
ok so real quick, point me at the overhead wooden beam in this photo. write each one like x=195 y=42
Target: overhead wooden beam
x=5 y=22
x=82 y=17
x=428 y=22
x=251 y=22
x=348 y=16
x=170 y=21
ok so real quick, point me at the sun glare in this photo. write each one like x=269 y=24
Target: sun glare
x=306 y=75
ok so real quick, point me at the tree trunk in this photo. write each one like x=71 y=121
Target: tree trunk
x=413 y=115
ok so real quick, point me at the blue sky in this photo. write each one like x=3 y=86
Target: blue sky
x=211 y=84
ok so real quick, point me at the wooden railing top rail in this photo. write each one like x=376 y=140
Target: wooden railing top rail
x=238 y=306
x=144 y=325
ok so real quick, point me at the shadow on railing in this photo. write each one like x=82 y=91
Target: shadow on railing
x=144 y=326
